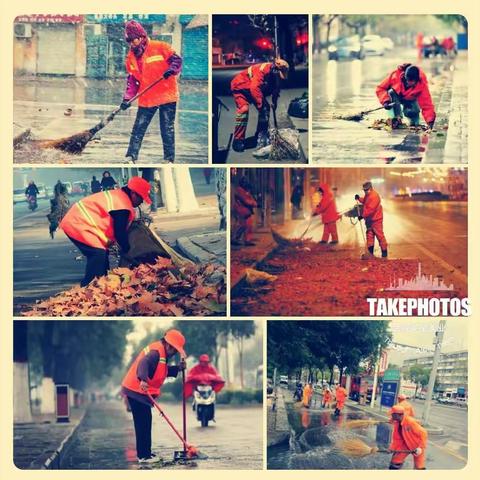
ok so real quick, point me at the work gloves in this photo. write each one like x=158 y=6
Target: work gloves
x=357 y=197
x=168 y=74
x=431 y=124
x=360 y=217
x=182 y=365
x=124 y=105
x=417 y=451
x=387 y=105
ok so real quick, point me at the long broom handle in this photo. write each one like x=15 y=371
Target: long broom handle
x=184 y=413
x=113 y=114
x=378 y=108
x=172 y=426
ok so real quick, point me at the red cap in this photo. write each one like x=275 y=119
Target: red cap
x=141 y=187
x=176 y=340
x=397 y=409
x=204 y=358
x=402 y=397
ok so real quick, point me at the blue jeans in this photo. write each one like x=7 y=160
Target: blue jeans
x=144 y=116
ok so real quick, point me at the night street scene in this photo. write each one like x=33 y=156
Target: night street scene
x=390 y=89
x=166 y=257
x=367 y=395
x=78 y=403
x=87 y=89
x=260 y=89
x=324 y=241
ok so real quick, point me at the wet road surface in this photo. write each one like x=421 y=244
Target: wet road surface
x=106 y=439
x=40 y=105
x=348 y=87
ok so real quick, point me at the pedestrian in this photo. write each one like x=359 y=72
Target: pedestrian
x=307 y=395
x=327 y=398
x=373 y=215
x=97 y=221
x=59 y=206
x=145 y=376
x=108 y=182
x=296 y=200
x=340 y=397
x=31 y=190
x=60 y=188
x=327 y=208
x=407 y=406
x=252 y=86
x=147 y=61
x=243 y=208
x=298 y=393
x=407 y=434
x=148 y=174
x=95 y=185
x=407 y=88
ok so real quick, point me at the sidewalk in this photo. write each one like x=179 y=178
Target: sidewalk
x=43 y=443
x=194 y=234
x=278 y=428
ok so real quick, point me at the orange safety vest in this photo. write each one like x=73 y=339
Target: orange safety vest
x=132 y=382
x=89 y=220
x=412 y=435
x=372 y=206
x=153 y=65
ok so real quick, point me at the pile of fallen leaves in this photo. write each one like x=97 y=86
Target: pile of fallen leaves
x=389 y=124
x=160 y=289
x=314 y=280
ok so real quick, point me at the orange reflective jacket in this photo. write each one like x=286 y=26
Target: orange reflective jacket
x=408 y=433
x=340 y=395
x=257 y=80
x=244 y=203
x=419 y=92
x=327 y=206
x=372 y=206
x=407 y=407
x=89 y=220
x=153 y=64
x=132 y=382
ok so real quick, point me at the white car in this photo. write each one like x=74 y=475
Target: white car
x=19 y=195
x=388 y=43
x=373 y=45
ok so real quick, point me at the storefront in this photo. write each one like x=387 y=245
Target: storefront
x=48 y=44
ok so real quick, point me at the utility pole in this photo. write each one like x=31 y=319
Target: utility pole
x=437 y=341
x=375 y=378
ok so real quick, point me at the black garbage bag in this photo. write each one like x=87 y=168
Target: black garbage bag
x=299 y=106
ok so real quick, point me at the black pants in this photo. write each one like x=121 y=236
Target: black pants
x=167 y=129
x=97 y=261
x=142 y=420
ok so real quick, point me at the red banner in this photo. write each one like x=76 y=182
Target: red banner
x=49 y=19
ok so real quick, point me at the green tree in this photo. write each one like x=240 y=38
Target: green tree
x=240 y=330
x=419 y=375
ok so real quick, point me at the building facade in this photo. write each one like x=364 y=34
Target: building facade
x=452 y=372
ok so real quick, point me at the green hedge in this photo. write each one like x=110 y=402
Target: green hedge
x=240 y=397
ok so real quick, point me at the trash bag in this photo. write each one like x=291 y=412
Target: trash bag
x=285 y=144
x=299 y=106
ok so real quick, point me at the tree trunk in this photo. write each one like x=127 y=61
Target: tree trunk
x=240 y=359
x=186 y=199
x=22 y=412
x=331 y=376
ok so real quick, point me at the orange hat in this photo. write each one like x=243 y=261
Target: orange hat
x=397 y=409
x=176 y=340
x=141 y=187
x=204 y=358
x=402 y=397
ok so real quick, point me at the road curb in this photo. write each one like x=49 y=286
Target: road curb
x=55 y=460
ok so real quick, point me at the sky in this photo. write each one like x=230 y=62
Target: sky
x=420 y=333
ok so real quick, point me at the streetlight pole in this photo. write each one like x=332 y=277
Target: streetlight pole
x=375 y=377
x=433 y=374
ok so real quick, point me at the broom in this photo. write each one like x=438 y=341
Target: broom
x=358 y=117
x=354 y=447
x=75 y=144
x=282 y=148
x=362 y=423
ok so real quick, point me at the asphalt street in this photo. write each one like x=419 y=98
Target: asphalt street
x=106 y=438
x=347 y=87
x=40 y=104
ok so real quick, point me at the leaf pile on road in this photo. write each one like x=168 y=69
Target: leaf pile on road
x=314 y=280
x=159 y=289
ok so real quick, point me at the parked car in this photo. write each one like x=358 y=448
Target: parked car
x=42 y=191
x=388 y=43
x=283 y=380
x=19 y=195
x=69 y=187
x=373 y=45
x=346 y=47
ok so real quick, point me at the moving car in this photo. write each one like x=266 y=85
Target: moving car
x=19 y=195
x=346 y=47
x=373 y=45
